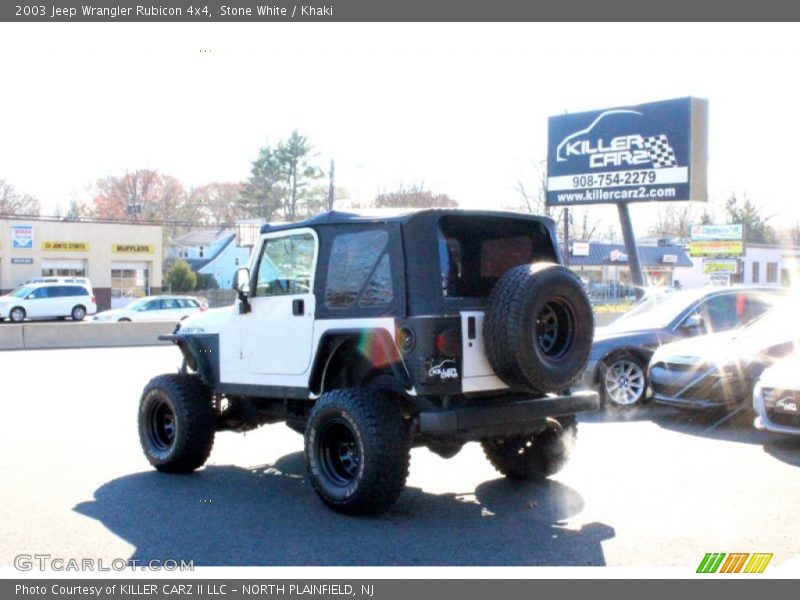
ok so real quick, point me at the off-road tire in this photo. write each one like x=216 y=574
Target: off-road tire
x=538 y=328
x=537 y=456
x=176 y=423
x=357 y=446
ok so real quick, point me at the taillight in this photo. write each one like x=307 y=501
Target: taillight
x=93 y=300
x=203 y=308
x=448 y=343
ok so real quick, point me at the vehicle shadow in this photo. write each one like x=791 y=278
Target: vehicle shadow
x=734 y=427
x=269 y=515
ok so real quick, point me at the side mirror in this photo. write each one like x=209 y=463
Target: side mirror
x=693 y=322
x=241 y=283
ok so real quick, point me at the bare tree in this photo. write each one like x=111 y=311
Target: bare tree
x=14 y=203
x=415 y=196
x=673 y=221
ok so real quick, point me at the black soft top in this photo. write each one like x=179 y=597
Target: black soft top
x=402 y=216
x=416 y=248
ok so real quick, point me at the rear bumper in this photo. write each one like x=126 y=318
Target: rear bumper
x=472 y=419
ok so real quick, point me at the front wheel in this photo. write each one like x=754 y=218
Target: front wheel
x=534 y=456
x=17 y=314
x=623 y=382
x=357 y=449
x=176 y=423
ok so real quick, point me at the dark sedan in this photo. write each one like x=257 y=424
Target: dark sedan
x=620 y=354
x=720 y=370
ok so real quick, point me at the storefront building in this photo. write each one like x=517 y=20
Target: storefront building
x=122 y=260
x=602 y=264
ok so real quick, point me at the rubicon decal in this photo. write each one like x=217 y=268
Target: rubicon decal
x=734 y=562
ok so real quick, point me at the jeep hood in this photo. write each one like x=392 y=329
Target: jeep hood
x=209 y=321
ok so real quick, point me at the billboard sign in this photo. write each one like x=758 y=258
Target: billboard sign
x=716 y=248
x=22 y=236
x=654 y=151
x=717 y=240
x=720 y=265
x=717 y=232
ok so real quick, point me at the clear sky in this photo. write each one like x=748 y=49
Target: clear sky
x=462 y=108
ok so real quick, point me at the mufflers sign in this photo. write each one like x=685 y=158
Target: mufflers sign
x=655 y=151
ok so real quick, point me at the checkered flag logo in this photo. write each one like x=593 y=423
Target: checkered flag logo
x=661 y=153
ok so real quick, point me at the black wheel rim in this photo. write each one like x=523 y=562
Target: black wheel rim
x=554 y=328
x=338 y=452
x=161 y=425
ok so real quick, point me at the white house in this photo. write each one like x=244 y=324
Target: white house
x=211 y=251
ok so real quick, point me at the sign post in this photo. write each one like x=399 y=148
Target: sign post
x=644 y=153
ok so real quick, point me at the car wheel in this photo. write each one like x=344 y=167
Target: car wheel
x=78 y=313
x=357 y=448
x=177 y=423
x=17 y=314
x=124 y=320
x=623 y=381
x=534 y=456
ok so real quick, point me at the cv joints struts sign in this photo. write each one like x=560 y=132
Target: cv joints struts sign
x=655 y=151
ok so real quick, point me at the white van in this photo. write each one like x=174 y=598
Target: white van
x=49 y=298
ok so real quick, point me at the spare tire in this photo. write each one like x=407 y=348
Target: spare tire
x=538 y=328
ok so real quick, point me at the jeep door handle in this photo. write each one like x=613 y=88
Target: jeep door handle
x=298 y=307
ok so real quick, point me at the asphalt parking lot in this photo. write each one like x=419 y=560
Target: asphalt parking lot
x=652 y=488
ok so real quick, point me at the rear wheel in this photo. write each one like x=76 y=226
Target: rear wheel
x=357 y=450
x=623 y=381
x=78 y=313
x=176 y=423
x=17 y=314
x=534 y=456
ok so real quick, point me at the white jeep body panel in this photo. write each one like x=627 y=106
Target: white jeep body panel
x=477 y=374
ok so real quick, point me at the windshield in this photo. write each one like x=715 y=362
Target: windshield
x=22 y=291
x=654 y=312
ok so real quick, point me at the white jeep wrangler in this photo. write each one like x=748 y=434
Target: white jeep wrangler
x=371 y=335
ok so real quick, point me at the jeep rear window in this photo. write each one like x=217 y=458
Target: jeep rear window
x=474 y=252
x=359 y=271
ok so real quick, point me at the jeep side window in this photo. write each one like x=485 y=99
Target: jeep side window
x=285 y=266
x=357 y=259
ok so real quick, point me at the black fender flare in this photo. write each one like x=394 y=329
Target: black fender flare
x=381 y=344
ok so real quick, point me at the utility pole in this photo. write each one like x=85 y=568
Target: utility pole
x=634 y=265
x=330 y=187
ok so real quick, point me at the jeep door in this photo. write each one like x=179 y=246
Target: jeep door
x=277 y=332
